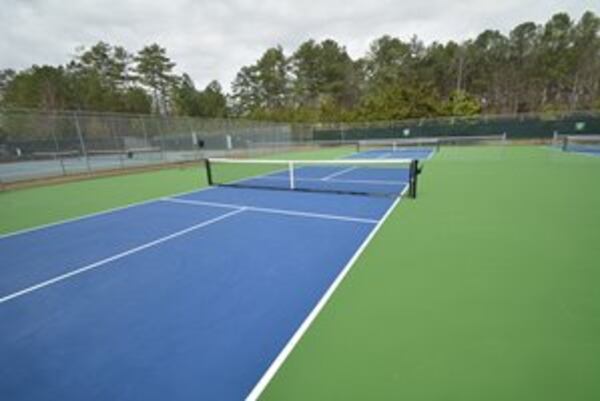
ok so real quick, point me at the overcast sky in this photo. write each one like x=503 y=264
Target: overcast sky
x=212 y=39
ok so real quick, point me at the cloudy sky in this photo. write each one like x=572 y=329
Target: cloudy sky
x=212 y=39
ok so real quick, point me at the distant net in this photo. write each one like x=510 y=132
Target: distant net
x=399 y=144
x=581 y=143
x=265 y=147
x=388 y=177
x=67 y=154
x=428 y=144
x=131 y=153
x=473 y=140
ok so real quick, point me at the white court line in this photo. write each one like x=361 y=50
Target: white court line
x=293 y=341
x=379 y=182
x=391 y=153
x=99 y=213
x=384 y=156
x=87 y=216
x=272 y=210
x=102 y=212
x=117 y=256
x=338 y=173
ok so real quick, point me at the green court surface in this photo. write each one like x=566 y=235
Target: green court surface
x=28 y=208
x=484 y=288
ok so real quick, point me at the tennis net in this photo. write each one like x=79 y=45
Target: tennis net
x=129 y=153
x=399 y=144
x=429 y=143
x=582 y=143
x=473 y=140
x=265 y=148
x=387 y=177
x=66 y=154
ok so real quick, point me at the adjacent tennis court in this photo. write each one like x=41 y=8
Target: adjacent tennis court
x=582 y=144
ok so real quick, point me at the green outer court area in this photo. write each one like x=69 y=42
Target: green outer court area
x=487 y=287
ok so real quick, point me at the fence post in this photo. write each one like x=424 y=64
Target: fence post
x=57 y=147
x=146 y=143
x=111 y=127
x=195 y=145
x=161 y=137
x=82 y=142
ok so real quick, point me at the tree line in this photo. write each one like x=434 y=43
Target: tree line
x=547 y=67
x=104 y=77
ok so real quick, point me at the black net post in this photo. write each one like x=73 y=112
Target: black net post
x=412 y=178
x=208 y=172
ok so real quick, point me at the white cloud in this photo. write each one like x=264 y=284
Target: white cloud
x=212 y=39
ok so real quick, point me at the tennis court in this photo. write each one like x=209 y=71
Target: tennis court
x=188 y=296
x=581 y=144
x=484 y=286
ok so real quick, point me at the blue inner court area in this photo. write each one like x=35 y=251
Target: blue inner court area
x=389 y=152
x=363 y=179
x=593 y=150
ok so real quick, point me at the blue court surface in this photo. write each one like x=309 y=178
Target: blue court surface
x=414 y=152
x=371 y=180
x=585 y=149
x=188 y=297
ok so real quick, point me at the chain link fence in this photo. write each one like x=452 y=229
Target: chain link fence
x=516 y=127
x=36 y=144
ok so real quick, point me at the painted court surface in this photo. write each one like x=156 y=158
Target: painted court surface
x=185 y=297
x=485 y=287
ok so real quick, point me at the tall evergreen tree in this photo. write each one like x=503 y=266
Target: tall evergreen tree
x=155 y=70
